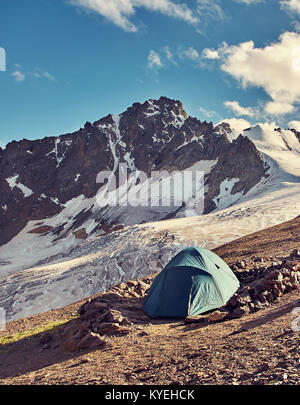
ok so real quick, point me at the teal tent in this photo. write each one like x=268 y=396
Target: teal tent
x=195 y=281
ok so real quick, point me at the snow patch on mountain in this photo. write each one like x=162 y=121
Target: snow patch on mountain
x=282 y=146
x=13 y=182
x=225 y=198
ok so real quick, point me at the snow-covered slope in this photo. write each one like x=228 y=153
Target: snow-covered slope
x=280 y=145
x=275 y=199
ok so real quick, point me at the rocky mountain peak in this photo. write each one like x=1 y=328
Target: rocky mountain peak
x=41 y=178
x=154 y=107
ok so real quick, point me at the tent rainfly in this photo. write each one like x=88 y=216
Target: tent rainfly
x=195 y=281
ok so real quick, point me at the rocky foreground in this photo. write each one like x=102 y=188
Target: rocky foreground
x=254 y=339
x=106 y=316
x=107 y=339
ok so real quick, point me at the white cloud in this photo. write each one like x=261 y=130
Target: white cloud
x=190 y=53
x=169 y=56
x=210 y=54
x=238 y=109
x=208 y=113
x=18 y=75
x=295 y=125
x=154 y=60
x=48 y=76
x=249 y=1
x=292 y=6
x=268 y=126
x=274 y=68
x=120 y=11
x=210 y=9
x=168 y=53
x=296 y=25
x=277 y=108
x=38 y=74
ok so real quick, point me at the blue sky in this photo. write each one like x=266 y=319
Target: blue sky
x=71 y=61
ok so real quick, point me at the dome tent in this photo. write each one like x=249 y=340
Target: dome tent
x=195 y=281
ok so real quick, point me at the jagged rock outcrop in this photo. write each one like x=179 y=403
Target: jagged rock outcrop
x=240 y=161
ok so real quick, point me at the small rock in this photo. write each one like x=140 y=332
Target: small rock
x=233 y=302
x=114 y=316
x=100 y=305
x=143 y=333
x=263 y=296
x=71 y=345
x=126 y=322
x=217 y=316
x=241 y=264
x=108 y=327
x=91 y=341
x=195 y=319
x=239 y=312
x=263 y=367
x=132 y=283
x=295 y=253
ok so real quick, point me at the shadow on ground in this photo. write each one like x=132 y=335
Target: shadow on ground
x=34 y=352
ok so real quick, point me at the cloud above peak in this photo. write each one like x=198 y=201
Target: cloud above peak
x=239 y=110
x=275 y=68
x=154 y=60
x=120 y=11
x=295 y=125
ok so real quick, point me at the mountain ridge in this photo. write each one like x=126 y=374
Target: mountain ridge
x=155 y=135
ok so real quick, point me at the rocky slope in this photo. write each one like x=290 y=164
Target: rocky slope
x=109 y=340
